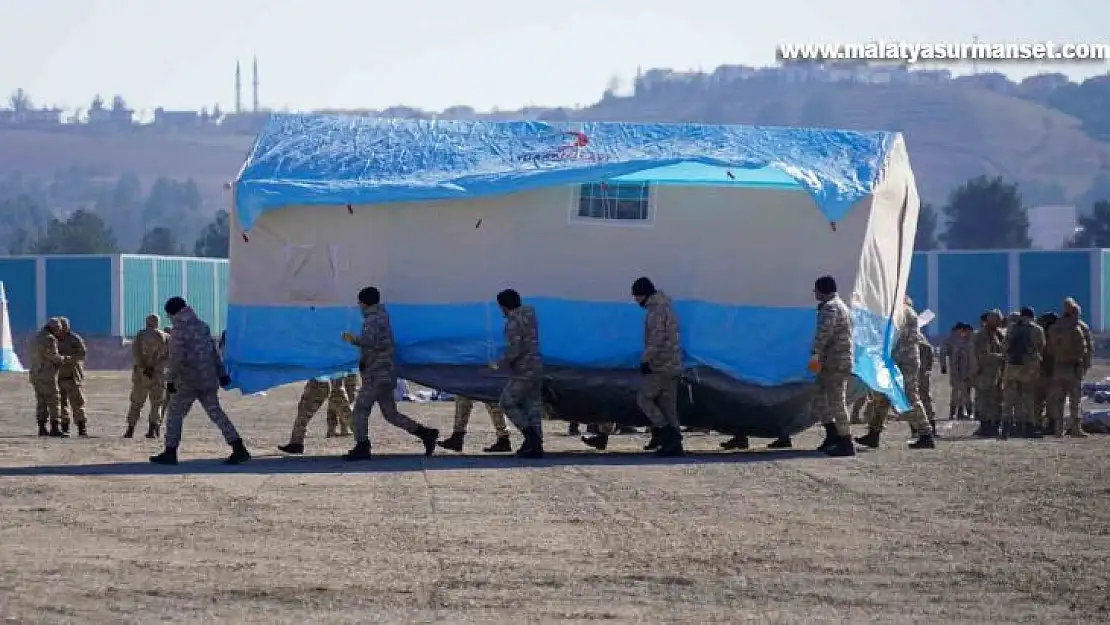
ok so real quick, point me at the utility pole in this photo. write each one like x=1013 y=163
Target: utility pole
x=974 y=60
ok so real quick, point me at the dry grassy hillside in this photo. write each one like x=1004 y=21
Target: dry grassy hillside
x=954 y=132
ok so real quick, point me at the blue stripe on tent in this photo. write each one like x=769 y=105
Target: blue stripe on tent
x=578 y=334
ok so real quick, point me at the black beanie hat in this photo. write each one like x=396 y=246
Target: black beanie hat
x=174 y=305
x=508 y=299
x=643 y=287
x=1028 y=312
x=825 y=285
x=370 y=296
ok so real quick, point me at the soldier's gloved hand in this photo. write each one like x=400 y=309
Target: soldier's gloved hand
x=225 y=380
x=943 y=370
x=149 y=372
x=171 y=388
x=645 y=368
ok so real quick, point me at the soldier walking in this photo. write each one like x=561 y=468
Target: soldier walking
x=45 y=362
x=379 y=378
x=71 y=377
x=195 y=374
x=150 y=352
x=522 y=396
x=661 y=366
x=463 y=407
x=831 y=361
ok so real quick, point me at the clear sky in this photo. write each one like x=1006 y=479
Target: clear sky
x=484 y=53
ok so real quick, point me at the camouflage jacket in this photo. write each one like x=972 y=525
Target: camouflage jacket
x=1031 y=368
x=45 y=358
x=522 y=344
x=907 y=350
x=928 y=355
x=151 y=350
x=986 y=354
x=72 y=346
x=662 y=347
x=832 y=345
x=375 y=343
x=195 y=362
x=955 y=356
x=1066 y=343
x=1090 y=341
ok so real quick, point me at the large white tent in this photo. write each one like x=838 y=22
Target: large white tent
x=734 y=223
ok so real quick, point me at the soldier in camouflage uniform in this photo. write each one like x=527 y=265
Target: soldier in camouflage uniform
x=908 y=358
x=1044 y=380
x=955 y=361
x=1023 y=350
x=986 y=372
x=336 y=425
x=463 y=407
x=522 y=396
x=71 y=377
x=150 y=351
x=378 y=370
x=195 y=373
x=1068 y=345
x=925 y=381
x=316 y=392
x=45 y=361
x=661 y=366
x=831 y=361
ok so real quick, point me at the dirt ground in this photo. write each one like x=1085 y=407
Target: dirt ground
x=978 y=531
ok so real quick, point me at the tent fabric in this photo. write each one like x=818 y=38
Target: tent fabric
x=336 y=160
x=442 y=215
x=9 y=360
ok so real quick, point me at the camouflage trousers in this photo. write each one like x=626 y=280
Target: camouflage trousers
x=72 y=396
x=988 y=399
x=350 y=385
x=179 y=405
x=464 y=406
x=47 y=400
x=1019 y=396
x=878 y=412
x=858 y=407
x=379 y=390
x=658 y=399
x=960 y=400
x=143 y=389
x=829 y=402
x=1065 y=386
x=522 y=401
x=925 y=387
x=313 y=397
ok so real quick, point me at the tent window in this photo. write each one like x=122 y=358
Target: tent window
x=620 y=202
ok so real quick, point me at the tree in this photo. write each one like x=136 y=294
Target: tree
x=118 y=103
x=1094 y=229
x=214 y=239
x=926 y=238
x=97 y=103
x=83 y=233
x=986 y=214
x=160 y=241
x=20 y=102
x=21 y=220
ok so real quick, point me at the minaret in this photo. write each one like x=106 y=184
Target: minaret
x=254 y=83
x=238 y=89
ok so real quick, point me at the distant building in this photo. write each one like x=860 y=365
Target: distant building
x=114 y=117
x=38 y=118
x=174 y=120
x=1051 y=227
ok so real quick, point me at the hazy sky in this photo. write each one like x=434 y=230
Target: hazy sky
x=485 y=53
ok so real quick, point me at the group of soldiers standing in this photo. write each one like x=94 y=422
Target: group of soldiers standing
x=57 y=374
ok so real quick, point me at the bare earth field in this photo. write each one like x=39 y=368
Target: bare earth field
x=975 y=532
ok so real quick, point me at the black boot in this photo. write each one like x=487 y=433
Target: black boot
x=43 y=431
x=782 y=442
x=842 y=447
x=532 y=447
x=597 y=441
x=924 y=442
x=57 y=432
x=65 y=427
x=501 y=445
x=152 y=431
x=292 y=448
x=830 y=437
x=83 y=430
x=654 y=442
x=871 y=439
x=428 y=436
x=453 y=442
x=167 y=457
x=671 y=443
x=239 y=453
x=129 y=432
x=739 y=441
x=361 y=451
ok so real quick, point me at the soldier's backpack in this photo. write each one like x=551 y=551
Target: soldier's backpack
x=1019 y=339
